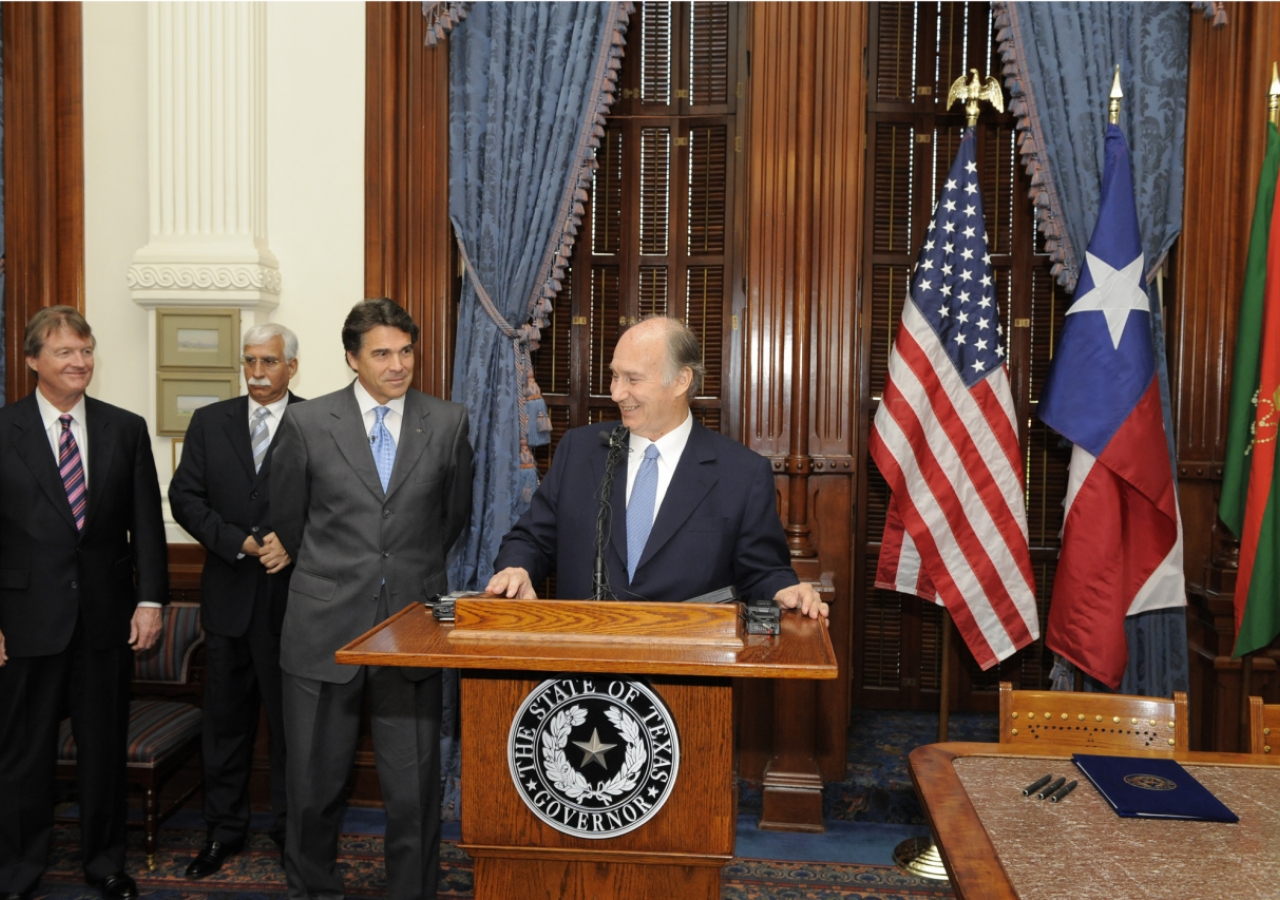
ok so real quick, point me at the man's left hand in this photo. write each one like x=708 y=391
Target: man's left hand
x=273 y=555
x=145 y=627
x=802 y=596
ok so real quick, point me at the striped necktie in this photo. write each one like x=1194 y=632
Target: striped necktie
x=644 y=493
x=259 y=436
x=72 y=471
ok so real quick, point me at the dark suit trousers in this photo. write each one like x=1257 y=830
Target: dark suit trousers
x=322 y=720
x=35 y=693
x=239 y=672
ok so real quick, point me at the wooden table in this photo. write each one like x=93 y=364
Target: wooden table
x=687 y=654
x=998 y=845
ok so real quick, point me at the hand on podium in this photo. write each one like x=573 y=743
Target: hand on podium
x=512 y=582
x=802 y=596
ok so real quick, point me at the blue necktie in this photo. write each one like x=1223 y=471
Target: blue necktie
x=640 y=509
x=384 y=448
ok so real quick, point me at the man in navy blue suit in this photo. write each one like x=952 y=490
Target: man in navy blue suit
x=693 y=511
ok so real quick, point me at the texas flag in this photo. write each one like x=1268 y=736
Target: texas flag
x=1121 y=536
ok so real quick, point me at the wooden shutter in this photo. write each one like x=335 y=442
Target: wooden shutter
x=658 y=233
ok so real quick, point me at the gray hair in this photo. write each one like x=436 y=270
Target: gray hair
x=683 y=352
x=260 y=334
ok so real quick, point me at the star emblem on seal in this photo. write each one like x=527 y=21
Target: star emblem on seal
x=595 y=756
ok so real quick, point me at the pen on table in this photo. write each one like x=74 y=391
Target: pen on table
x=1062 y=792
x=1032 y=788
x=1045 y=792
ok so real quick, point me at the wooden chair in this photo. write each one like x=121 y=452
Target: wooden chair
x=1264 y=726
x=1085 y=722
x=163 y=733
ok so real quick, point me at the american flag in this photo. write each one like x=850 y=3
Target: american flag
x=946 y=440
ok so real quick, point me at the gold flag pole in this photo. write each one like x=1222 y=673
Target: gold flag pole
x=1246 y=662
x=919 y=856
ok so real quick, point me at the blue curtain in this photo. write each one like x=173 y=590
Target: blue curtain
x=529 y=86
x=1059 y=63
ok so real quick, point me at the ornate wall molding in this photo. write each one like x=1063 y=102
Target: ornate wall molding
x=207 y=149
x=225 y=284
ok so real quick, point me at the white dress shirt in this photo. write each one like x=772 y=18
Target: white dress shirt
x=367 y=409
x=49 y=414
x=670 y=447
x=276 y=410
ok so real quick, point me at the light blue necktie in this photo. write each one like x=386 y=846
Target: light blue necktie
x=384 y=448
x=640 y=509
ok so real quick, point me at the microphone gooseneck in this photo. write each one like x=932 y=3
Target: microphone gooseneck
x=617 y=443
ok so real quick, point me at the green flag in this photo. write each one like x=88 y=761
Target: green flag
x=1248 y=507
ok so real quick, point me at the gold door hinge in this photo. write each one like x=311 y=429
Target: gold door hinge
x=924 y=138
x=682 y=141
x=1021 y=323
x=737 y=144
x=682 y=93
x=733 y=322
x=924 y=91
x=579 y=320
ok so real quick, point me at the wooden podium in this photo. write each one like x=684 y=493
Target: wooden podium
x=687 y=653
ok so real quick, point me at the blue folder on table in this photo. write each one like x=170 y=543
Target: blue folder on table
x=1151 y=788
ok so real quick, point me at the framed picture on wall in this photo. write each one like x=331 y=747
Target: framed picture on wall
x=180 y=394
x=197 y=338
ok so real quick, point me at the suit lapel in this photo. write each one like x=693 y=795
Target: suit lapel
x=236 y=425
x=617 y=502
x=102 y=437
x=353 y=441
x=413 y=440
x=694 y=477
x=32 y=443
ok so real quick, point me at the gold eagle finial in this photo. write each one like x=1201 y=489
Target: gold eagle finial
x=975 y=91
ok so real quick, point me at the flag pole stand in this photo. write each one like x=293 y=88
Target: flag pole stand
x=944 y=679
x=919 y=856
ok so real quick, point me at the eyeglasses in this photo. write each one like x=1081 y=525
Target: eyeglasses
x=268 y=362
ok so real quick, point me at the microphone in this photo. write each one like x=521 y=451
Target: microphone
x=616 y=441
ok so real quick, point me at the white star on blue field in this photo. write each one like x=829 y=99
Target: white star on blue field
x=953 y=287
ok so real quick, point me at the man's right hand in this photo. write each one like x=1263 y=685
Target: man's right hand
x=250 y=547
x=513 y=582
x=3 y=657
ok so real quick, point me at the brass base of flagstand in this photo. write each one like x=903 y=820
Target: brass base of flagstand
x=919 y=856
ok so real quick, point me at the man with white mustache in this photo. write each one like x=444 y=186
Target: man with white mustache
x=221 y=495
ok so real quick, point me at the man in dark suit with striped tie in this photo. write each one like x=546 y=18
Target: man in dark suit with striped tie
x=221 y=495
x=83 y=573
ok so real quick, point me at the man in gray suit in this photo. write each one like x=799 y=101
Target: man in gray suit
x=370 y=487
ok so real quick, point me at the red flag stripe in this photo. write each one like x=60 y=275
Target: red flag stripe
x=976 y=562
x=997 y=486
x=961 y=614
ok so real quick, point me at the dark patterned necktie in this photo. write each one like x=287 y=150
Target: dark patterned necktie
x=72 y=471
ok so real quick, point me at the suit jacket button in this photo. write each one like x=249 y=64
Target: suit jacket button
x=73 y=586
x=386 y=514
x=386 y=553
x=253 y=496
x=254 y=529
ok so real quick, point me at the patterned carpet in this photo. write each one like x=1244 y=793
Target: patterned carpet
x=877 y=789
x=256 y=875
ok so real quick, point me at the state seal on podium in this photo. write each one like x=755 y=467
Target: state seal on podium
x=594 y=757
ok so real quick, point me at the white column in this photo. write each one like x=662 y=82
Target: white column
x=207 y=160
